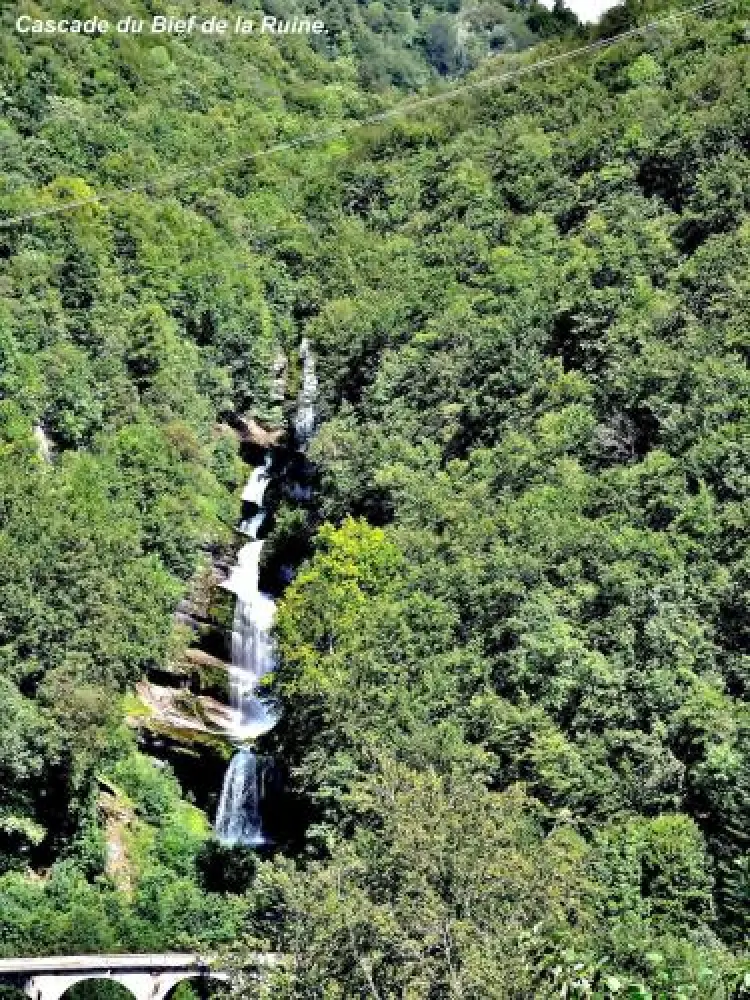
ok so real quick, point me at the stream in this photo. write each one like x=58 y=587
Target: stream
x=239 y=817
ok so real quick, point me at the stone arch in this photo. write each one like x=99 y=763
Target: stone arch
x=55 y=987
x=144 y=976
x=204 y=979
x=140 y=985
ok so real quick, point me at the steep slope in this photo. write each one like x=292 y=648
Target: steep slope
x=516 y=682
x=514 y=668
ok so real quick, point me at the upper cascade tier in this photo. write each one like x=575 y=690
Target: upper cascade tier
x=252 y=646
x=304 y=421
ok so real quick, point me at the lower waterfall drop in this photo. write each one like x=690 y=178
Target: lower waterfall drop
x=238 y=818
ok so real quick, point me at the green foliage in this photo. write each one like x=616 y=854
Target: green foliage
x=514 y=669
x=437 y=890
x=404 y=45
x=530 y=569
x=153 y=791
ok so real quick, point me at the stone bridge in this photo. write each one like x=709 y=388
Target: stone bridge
x=147 y=977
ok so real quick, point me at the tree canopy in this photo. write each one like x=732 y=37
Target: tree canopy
x=513 y=662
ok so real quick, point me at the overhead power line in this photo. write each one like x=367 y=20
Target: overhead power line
x=344 y=128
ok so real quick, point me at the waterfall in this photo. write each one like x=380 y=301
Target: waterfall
x=251 y=526
x=252 y=649
x=238 y=819
x=304 y=421
x=43 y=443
x=255 y=487
x=254 y=493
x=239 y=815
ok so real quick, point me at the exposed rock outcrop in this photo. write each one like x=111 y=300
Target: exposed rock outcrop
x=118 y=819
x=181 y=710
x=255 y=433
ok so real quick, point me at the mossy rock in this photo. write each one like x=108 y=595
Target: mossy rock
x=220 y=609
x=195 y=739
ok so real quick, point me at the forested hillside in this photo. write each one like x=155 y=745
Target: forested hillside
x=404 y=44
x=128 y=336
x=514 y=664
x=516 y=667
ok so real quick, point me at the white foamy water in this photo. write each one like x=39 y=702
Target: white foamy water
x=304 y=421
x=255 y=488
x=238 y=818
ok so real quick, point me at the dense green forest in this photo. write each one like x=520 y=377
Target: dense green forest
x=401 y=44
x=514 y=661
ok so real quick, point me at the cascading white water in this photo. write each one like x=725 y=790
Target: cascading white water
x=251 y=526
x=238 y=819
x=304 y=422
x=43 y=443
x=252 y=649
x=255 y=488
